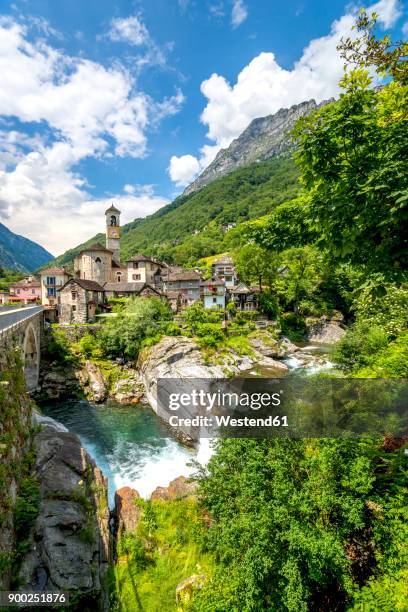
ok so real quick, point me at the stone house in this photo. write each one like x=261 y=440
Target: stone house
x=186 y=283
x=124 y=289
x=143 y=269
x=223 y=269
x=25 y=291
x=52 y=279
x=214 y=294
x=245 y=297
x=78 y=301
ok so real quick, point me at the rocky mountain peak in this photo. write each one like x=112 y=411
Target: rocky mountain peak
x=265 y=137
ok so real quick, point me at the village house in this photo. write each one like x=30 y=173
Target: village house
x=214 y=294
x=79 y=300
x=184 y=283
x=25 y=291
x=124 y=289
x=245 y=297
x=223 y=269
x=52 y=279
x=144 y=269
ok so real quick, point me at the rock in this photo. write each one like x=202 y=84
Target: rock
x=130 y=397
x=128 y=512
x=325 y=332
x=70 y=547
x=185 y=590
x=97 y=382
x=287 y=346
x=265 y=137
x=177 y=489
x=273 y=364
x=40 y=419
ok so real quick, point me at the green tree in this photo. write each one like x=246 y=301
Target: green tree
x=300 y=275
x=255 y=264
x=352 y=157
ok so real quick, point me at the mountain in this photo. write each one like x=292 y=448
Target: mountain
x=19 y=253
x=194 y=226
x=264 y=138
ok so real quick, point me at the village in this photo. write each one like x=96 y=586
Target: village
x=99 y=275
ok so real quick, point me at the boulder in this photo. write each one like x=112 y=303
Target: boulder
x=127 y=510
x=96 y=381
x=178 y=488
x=185 y=590
x=325 y=331
x=70 y=546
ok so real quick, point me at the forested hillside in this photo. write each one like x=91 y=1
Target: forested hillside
x=191 y=227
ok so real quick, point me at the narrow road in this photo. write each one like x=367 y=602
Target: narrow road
x=9 y=316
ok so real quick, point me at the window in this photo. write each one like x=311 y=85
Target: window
x=32 y=290
x=135 y=265
x=50 y=280
x=214 y=300
x=98 y=260
x=118 y=277
x=136 y=277
x=51 y=291
x=18 y=291
x=74 y=308
x=113 y=220
x=74 y=295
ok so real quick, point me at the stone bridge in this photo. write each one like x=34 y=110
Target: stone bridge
x=23 y=328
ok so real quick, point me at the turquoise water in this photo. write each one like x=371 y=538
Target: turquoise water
x=128 y=442
x=133 y=447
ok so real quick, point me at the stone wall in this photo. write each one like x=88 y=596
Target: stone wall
x=15 y=444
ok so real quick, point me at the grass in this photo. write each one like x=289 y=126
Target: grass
x=163 y=552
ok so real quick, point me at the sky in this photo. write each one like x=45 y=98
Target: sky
x=127 y=101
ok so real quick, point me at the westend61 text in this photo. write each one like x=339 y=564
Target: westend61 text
x=228 y=421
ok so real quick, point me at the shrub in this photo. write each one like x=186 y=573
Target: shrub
x=292 y=325
x=268 y=304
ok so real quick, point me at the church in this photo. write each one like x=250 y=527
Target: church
x=100 y=274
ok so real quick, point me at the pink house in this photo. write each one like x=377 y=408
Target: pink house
x=25 y=291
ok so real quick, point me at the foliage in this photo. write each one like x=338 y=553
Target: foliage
x=391 y=361
x=282 y=510
x=88 y=346
x=268 y=304
x=388 y=310
x=142 y=319
x=163 y=552
x=255 y=265
x=351 y=156
x=57 y=348
x=292 y=325
x=8 y=277
x=366 y=51
x=300 y=276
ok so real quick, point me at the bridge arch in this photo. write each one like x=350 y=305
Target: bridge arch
x=31 y=357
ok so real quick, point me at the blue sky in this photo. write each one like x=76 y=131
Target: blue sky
x=129 y=100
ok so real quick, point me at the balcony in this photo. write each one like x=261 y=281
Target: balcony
x=56 y=284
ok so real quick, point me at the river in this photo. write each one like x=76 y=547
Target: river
x=134 y=448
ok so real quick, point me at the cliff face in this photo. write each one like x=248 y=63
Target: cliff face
x=54 y=514
x=69 y=545
x=265 y=137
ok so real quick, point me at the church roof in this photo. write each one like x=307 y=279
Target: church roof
x=95 y=247
x=112 y=209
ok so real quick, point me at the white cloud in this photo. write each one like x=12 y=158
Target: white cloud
x=239 y=13
x=130 y=30
x=389 y=11
x=263 y=86
x=405 y=29
x=183 y=169
x=82 y=109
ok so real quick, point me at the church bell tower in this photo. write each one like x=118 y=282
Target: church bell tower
x=112 y=215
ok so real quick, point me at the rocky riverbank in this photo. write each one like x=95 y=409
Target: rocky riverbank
x=69 y=545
